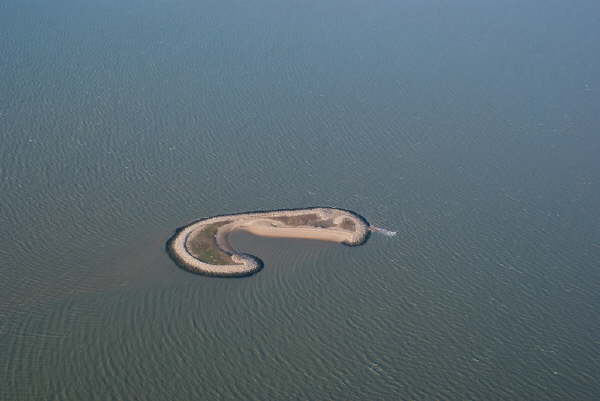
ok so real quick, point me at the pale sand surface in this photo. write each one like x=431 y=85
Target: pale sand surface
x=263 y=224
x=323 y=234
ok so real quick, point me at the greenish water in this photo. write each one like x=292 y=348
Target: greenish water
x=471 y=128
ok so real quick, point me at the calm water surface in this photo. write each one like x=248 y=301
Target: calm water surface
x=470 y=127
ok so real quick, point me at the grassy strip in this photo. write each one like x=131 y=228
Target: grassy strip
x=204 y=247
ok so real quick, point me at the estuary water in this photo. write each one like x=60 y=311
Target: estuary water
x=471 y=128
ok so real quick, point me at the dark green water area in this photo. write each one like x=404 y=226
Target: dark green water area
x=469 y=127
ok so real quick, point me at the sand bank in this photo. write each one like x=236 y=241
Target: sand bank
x=203 y=246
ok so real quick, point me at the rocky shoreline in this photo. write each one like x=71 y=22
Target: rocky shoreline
x=328 y=224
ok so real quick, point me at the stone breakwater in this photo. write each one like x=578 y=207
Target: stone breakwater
x=203 y=246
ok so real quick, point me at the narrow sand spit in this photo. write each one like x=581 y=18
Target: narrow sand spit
x=203 y=246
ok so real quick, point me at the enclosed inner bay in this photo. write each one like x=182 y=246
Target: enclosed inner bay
x=203 y=246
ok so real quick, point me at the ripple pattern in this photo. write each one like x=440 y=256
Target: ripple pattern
x=458 y=127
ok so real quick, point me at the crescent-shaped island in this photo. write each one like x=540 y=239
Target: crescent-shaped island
x=203 y=246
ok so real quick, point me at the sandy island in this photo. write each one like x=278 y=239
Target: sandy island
x=203 y=246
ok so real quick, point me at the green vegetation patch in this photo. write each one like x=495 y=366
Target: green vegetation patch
x=202 y=245
x=310 y=219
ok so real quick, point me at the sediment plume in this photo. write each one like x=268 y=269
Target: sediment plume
x=203 y=246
